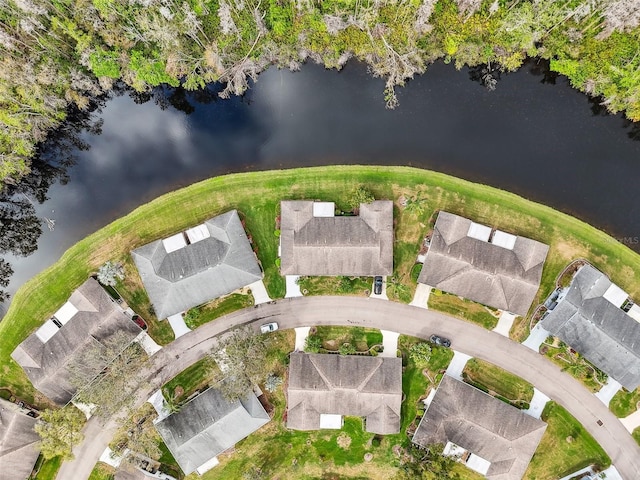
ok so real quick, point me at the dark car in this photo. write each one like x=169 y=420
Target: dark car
x=137 y=319
x=438 y=340
x=377 y=285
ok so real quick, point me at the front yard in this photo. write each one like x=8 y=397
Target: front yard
x=498 y=382
x=463 y=308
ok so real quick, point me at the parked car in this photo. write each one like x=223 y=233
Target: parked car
x=438 y=340
x=137 y=319
x=269 y=327
x=377 y=285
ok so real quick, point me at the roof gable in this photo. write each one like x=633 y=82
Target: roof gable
x=488 y=273
x=48 y=364
x=344 y=385
x=483 y=425
x=604 y=333
x=18 y=442
x=350 y=245
x=208 y=425
x=200 y=271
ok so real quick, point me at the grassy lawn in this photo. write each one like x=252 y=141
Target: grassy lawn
x=102 y=471
x=46 y=469
x=625 y=403
x=565 y=447
x=168 y=464
x=462 y=308
x=362 y=338
x=520 y=329
x=336 y=285
x=200 y=315
x=257 y=194
x=498 y=382
x=636 y=435
x=574 y=364
x=196 y=377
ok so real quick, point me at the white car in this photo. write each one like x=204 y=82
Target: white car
x=269 y=327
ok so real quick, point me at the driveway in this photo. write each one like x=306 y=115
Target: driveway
x=356 y=311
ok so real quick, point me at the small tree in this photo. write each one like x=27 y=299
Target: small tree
x=60 y=431
x=420 y=353
x=246 y=360
x=272 y=382
x=312 y=344
x=138 y=434
x=361 y=194
x=109 y=272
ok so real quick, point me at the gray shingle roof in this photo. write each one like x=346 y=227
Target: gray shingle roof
x=18 y=443
x=208 y=425
x=502 y=278
x=201 y=271
x=361 y=245
x=361 y=386
x=602 y=332
x=48 y=364
x=483 y=425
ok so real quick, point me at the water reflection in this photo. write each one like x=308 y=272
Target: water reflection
x=540 y=140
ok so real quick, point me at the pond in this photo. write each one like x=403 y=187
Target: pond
x=534 y=135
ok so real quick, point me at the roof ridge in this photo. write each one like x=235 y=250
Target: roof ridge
x=324 y=377
x=373 y=371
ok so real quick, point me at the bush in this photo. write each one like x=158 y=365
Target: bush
x=347 y=349
x=420 y=353
x=312 y=344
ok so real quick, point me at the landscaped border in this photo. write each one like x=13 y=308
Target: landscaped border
x=256 y=195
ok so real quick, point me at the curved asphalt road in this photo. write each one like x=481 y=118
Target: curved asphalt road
x=366 y=312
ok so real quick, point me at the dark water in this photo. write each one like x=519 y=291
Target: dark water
x=533 y=135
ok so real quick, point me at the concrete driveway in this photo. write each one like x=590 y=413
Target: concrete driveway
x=356 y=311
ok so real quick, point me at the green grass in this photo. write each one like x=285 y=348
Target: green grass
x=462 y=308
x=362 y=338
x=636 y=435
x=624 y=403
x=46 y=469
x=168 y=464
x=498 y=382
x=257 y=194
x=196 y=377
x=217 y=308
x=336 y=285
x=102 y=471
x=565 y=447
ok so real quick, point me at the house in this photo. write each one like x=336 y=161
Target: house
x=489 y=436
x=315 y=242
x=18 y=442
x=208 y=425
x=323 y=388
x=90 y=318
x=589 y=317
x=198 y=265
x=488 y=266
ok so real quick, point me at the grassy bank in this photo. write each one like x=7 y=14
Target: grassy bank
x=565 y=447
x=498 y=382
x=256 y=196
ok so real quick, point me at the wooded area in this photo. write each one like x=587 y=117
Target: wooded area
x=62 y=53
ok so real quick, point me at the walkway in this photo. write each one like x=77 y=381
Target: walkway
x=357 y=311
x=293 y=289
x=631 y=422
x=147 y=343
x=177 y=324
x=537 y=404
x=421 y=297
x=259 y=292
x=301 y=337
x=536 y=337
x=505 y=323
x=606 y=393
x=390 y=343
x=457 y=364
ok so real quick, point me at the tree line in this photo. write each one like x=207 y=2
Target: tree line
x=58 y=54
